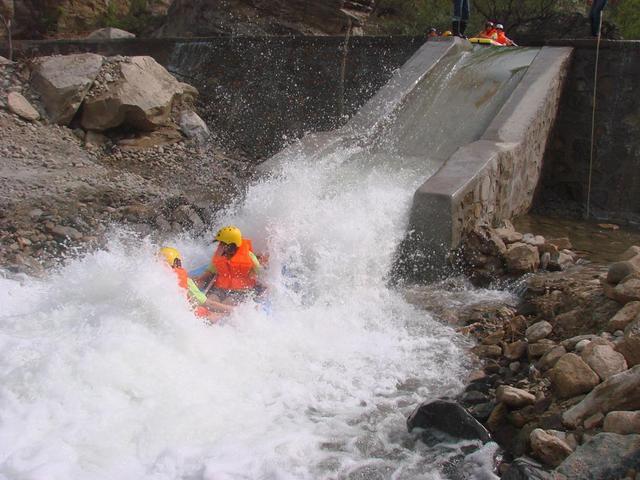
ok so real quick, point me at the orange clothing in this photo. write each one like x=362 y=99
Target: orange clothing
x=432 y=34
x=503 y=39
x=235 y=273
x=491 y=33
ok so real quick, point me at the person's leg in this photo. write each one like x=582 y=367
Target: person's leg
x=464 y=17
x=595 y=15
x=457 y=16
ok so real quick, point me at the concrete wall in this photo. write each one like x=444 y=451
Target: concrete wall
x=615 y=194
x=258 y=94
x=495 y=177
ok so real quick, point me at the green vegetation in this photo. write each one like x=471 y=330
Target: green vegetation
x=138 y=19
x=413 y=17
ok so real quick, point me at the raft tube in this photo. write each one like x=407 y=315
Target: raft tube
x=485 y=41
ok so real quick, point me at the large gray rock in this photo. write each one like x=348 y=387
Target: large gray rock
x=606 y=455
x=448 y=417
x=20 y=106
x=620 y=392
x=571 y=376
x=604 y=360
x=63 y=83
x=109 y=33
x=142 y=97
x=550 y=449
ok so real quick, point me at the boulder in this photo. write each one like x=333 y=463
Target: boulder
x=508 y=235
x=525 y=468
x=548 y=448
x=63 y=83
x=109 y=33
x=491 y=351
x=619 y=392
x=630 y=252
x=448 y=417
x=571 y=376
x=624 y=317
x=142 y=97
x=20 y=106
x=606 y=455
x=515 y=350
x=514 y=397
x=619 y=270
x=623 y=423
x=538 y=331
x=628 y=290
x=630 y=344
x=603 y=360
x=570 y=343
x=594 y=421
x=550 y=358
x=522 y=258
x=193 y=126
x=538 y=349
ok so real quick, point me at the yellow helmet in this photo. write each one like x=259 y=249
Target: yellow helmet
x=447 y=33
x=170 y=254
x=229 y=234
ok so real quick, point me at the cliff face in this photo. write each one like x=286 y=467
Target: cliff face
x=260 y=17
x=64 y=18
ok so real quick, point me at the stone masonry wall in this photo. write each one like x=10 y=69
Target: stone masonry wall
x=260 y=93
x=615 y=192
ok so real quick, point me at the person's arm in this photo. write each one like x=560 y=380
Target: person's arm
x=256 y=263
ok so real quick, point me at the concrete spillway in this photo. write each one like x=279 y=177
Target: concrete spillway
x=452 y=116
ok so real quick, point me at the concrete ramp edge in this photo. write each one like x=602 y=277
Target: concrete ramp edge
x=495 y=177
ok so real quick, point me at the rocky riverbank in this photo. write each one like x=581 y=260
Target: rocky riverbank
x=66 y=180
x=559 y=378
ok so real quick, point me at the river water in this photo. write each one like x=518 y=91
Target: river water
x=106 y=374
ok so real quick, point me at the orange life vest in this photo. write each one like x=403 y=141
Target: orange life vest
x=491 y=33
x=503 y=39
x=234 y=273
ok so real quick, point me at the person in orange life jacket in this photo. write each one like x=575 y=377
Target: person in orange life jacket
x=233 y=268
x=432 y=32
x=203 y=307
x=489 y=31
x=502 y=38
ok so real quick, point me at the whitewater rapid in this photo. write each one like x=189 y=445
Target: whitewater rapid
x=107 y=374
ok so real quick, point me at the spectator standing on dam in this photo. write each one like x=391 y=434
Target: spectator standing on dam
x=595 y=15
x=460 y=17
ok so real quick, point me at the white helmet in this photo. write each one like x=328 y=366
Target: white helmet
x=499 y=26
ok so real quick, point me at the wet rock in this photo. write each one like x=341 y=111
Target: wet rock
x=619 y=270
x=538 y=331
x=193 y=126
x=525 y=468
x=623 y=423
x=109 y=33
x=603 y=360
x=624 y=317
x=490 y=351
x=473 y=397
x=482 y=411
x=63 y=83
x=548 y=448
x=448 y=417
x=20 y=106
x=65 y=232
x=514 y=397
x=606 y=455
x=619 y=392
x=522 y=258
x=571 y=376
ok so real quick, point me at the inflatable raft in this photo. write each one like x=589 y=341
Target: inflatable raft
x=485 y=41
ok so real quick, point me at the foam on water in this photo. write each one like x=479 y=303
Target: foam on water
x=106 y=374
